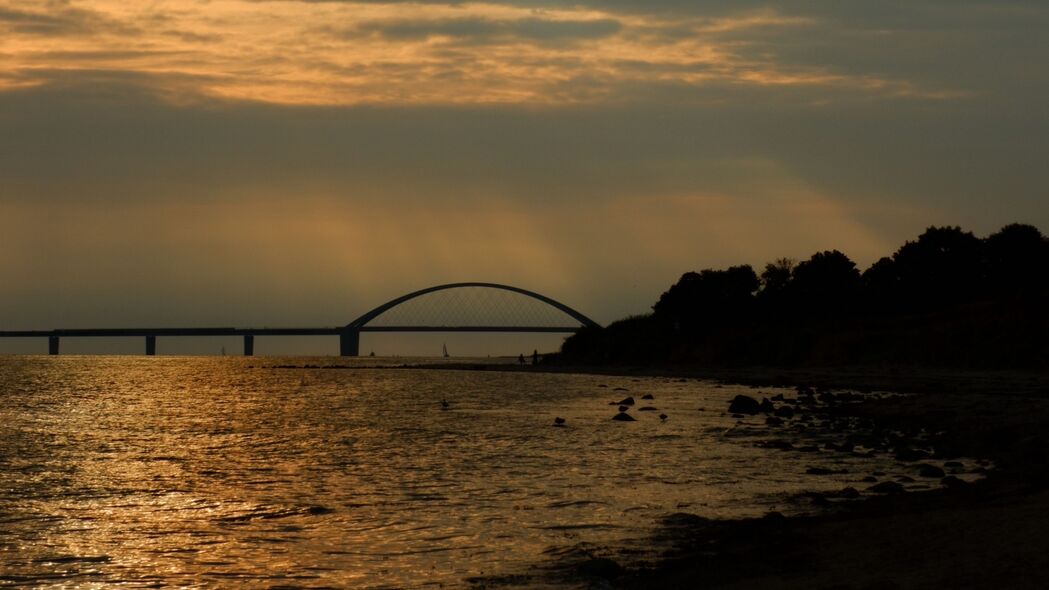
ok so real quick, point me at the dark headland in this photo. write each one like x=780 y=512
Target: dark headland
x=960 y=322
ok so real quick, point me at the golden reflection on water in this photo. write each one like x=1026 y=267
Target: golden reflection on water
x=226 y=471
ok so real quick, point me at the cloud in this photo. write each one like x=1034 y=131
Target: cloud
x=509 y=53
x=56 y=19
x=41 y=23
x=489 y=31
x=105 y=136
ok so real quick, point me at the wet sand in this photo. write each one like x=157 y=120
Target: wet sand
x=993 y=533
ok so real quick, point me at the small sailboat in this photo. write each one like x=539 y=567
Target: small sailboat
x=445 y=347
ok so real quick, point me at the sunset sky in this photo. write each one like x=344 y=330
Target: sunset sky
x=251 y=162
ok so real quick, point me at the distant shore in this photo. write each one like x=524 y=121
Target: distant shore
x=992 y=533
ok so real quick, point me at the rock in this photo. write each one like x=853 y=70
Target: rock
x=887 y=487
x=953 y=482
x=766 y=406
x=620 y=389
x=647 y=396
x=742 y=404
x=782 y=445
x=624 y=408
x=784 y=412
x=926 y=470
x=911 y=454
x=627 y=401
x=778 y=397
x=826 y=397
x=738 y=416
x=624 y=417
x=824 y=471
x=600 y=567
x=905 y=478
x=663 y=417
x=559 y=421
x=849 y=493
x=820 y=500
x=647 y=409
x=774 y=421
x=869 y=479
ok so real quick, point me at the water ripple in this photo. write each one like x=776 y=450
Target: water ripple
x=214 y=472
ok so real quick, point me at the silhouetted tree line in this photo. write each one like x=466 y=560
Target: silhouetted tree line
x=947 y=299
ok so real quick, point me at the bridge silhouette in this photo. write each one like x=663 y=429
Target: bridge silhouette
x=350 y=334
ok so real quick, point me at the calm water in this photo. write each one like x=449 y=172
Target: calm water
x=229 y=472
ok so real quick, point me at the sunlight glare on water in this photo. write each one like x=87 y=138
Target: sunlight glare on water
x=218 y=471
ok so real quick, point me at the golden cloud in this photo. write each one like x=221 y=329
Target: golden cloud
x=346 y=53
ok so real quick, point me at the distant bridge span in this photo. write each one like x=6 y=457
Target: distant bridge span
x=349 y=335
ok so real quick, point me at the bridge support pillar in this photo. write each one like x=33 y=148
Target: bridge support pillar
x=350 y=343
x=52 y=345
x=249 y=345
x=151 y=345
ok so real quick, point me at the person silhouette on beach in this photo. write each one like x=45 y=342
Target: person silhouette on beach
x=535 y=357
x=520 y=359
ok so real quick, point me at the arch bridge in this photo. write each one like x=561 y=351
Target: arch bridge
x=541 y=314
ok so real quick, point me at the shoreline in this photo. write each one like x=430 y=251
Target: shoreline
x=987 y=534
x=859 y=378
x=990 y=533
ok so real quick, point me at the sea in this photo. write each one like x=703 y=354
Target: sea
x=268 y=472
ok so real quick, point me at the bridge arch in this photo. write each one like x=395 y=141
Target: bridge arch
x=350 y=333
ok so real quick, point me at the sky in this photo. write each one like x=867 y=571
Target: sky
x=296 y=163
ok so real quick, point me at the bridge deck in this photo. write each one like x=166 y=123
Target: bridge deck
x=349 y=335
x=133 y=332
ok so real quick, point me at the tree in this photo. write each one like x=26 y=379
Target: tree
x=827 y=282
x=709 y=296
x=881 y=285
x=1017 y=260
x=943 y=267
x=776 y=276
